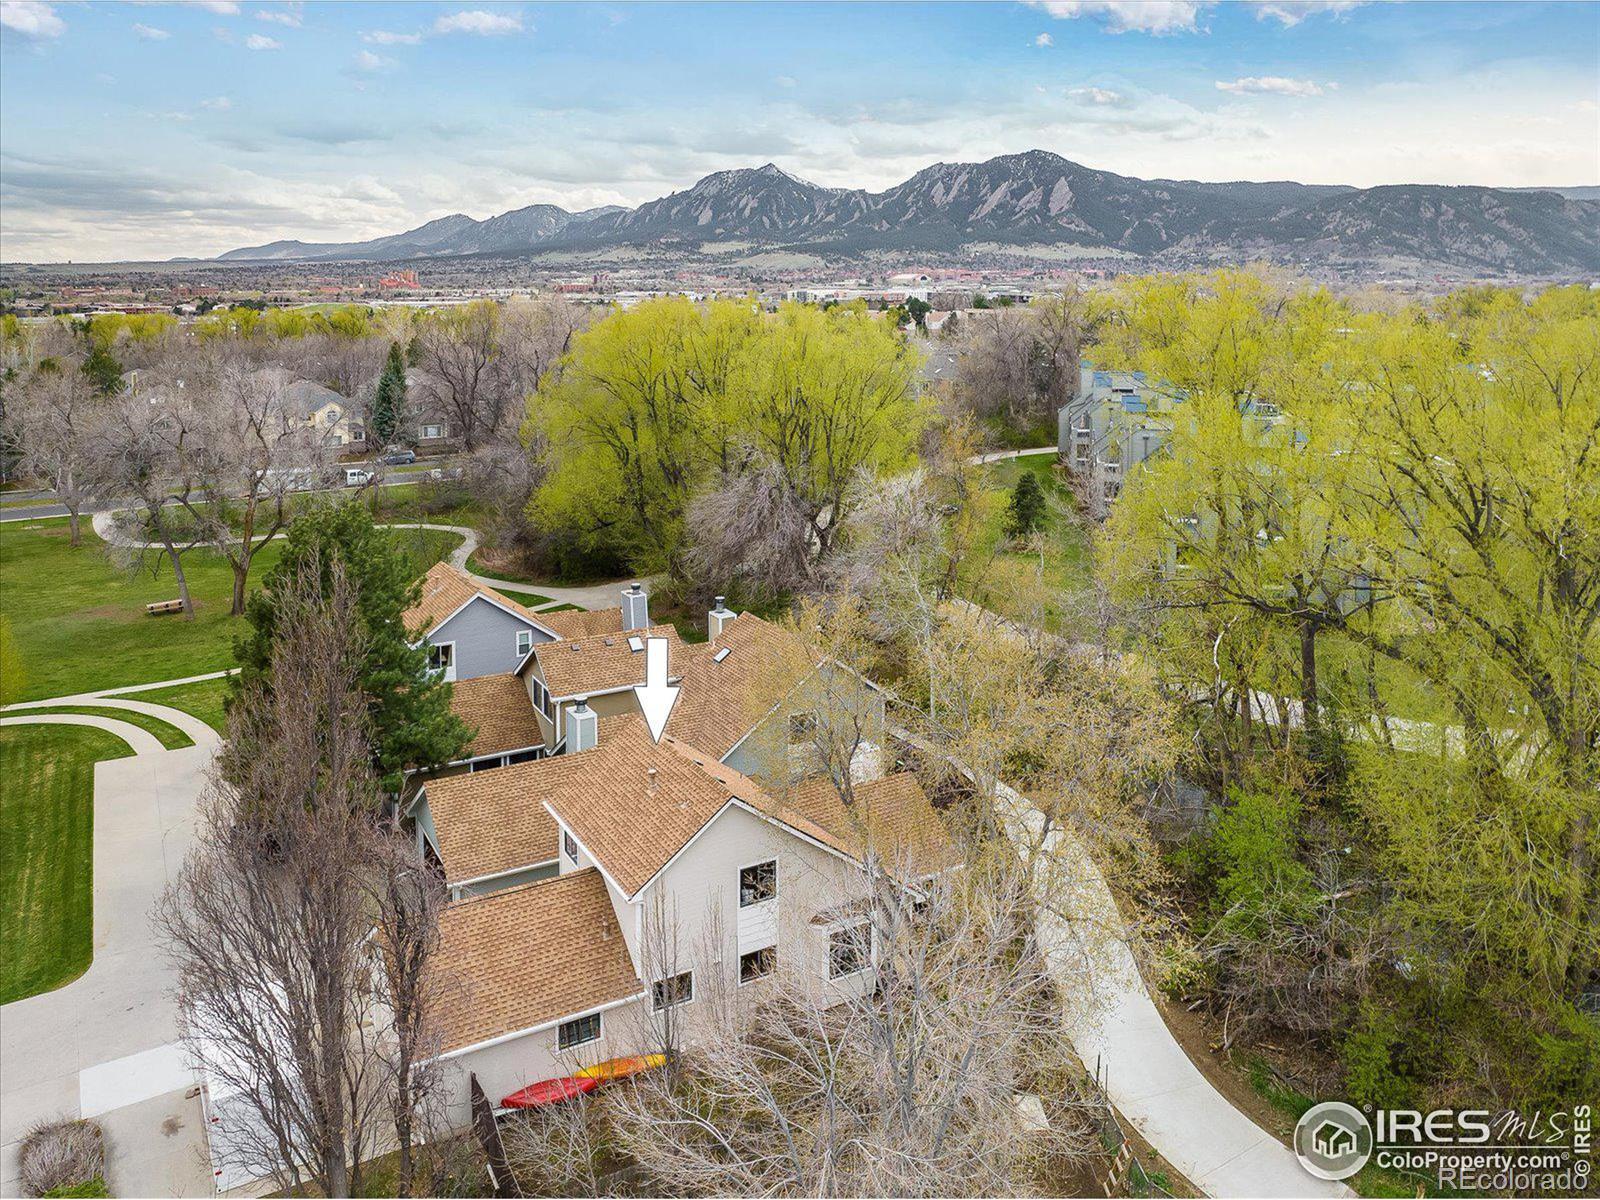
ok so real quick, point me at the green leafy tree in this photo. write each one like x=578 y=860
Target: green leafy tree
x=1028 y=506
x=918 y=309
x=412 y=724
x=389 y=404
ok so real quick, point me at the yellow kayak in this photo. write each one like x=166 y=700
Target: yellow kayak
x=621 y=1068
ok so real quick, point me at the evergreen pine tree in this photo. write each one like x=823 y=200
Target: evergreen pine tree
x=412 y=724
x=1027 y=506
x=390 y=401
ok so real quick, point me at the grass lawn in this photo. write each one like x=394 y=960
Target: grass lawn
x=203 y=700
x=170 y=736
x=47 y=853
x=79 y=620
x=994 y=574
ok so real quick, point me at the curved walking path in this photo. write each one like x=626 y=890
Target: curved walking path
x=106 y=1044
x=142 y=741
x=600 y=595
x=1116 y=1029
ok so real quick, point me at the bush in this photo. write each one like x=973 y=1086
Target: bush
x=62 y=1158
x=95 y=1188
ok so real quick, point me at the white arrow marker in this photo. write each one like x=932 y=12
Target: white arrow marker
x=656 y=695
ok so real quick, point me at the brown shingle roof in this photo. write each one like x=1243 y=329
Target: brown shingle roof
x=632 y=821
x=490 y=822
x=603 y=662
x=722 y=701
x=529 y=956
x=498 y=709
x=890 y=816
x=446 y=588
x=576 y=623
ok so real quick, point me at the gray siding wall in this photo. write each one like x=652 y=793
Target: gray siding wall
x=485 y=638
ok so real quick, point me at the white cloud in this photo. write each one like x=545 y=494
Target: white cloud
x=1044 y=39
x=1122 y=16
x=785 y=81
x=217 y=103
x=150 y=33
x=366 y=60
x=280 y=16
x=260 y=41
x=1275 y=85
x=476 y=21
x=223 y=8
x=1097 y=95
x=31 y=18
x=383 y=37
x=1292 y=12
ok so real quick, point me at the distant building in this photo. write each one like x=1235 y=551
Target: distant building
x=1114 y=422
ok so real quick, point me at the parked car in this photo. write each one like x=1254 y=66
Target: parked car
x=398 y=458
x=442 y=473
x=358 y=476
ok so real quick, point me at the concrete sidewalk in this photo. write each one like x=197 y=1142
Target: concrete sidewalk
x=105 y=1045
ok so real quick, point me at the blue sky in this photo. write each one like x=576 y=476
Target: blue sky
x=152 y=130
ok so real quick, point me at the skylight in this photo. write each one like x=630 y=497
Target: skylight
x=722 y=654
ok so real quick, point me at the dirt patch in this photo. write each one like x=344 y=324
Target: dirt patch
x=1201 y=1039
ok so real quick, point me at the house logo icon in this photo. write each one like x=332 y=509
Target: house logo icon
x=1333 y=1140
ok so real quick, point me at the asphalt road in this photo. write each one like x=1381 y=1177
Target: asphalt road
x=393 y=476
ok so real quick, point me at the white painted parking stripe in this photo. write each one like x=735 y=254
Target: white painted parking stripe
x=138 y=1077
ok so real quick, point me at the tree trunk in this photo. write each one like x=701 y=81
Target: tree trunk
x=241 y=573
x=1310 y=708
x=72 y=522
x=176 y=558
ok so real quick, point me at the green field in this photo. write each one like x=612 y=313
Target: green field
x=47 y=853
x=995 y=573
x=78 y=619
x=170 y=736
x=203 y=699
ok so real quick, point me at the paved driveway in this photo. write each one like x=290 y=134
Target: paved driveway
x=105 y=1045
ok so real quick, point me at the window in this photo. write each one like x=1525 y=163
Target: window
x=442 y=659
x=675 y=990
x=358 y=433
x=524 y=642
x=541 y=697
x=757 y=964
x=758 y=883
x=578 y=1032
x=433 y=431
x=570 y=845
x=801 y=727
x=849 y=950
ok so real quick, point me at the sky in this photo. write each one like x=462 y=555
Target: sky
x=148 y=130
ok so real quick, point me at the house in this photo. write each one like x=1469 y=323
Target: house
x=335 y=420
x=599 y=893
x=1114 y=421
x=472 y=630
x=425 y=420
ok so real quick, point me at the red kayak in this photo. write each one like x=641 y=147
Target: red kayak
x=549 y=1091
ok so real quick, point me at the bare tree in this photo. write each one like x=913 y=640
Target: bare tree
x=534 y=335
x=823 y=1087
x=755 y=529
x=458 y=349
x=246 y=452
x=268 y=920
x=406 y=899
x=56 y=416
x=140 y=459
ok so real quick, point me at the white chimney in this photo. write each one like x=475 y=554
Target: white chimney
x=718 y=618
x=583 y=726
x=635 y=608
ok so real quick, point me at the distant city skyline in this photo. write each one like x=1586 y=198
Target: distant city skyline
x=133 y=131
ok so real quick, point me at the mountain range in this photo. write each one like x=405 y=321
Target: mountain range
x=1029 y=202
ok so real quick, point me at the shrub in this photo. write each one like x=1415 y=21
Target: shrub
x=62 y=1158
